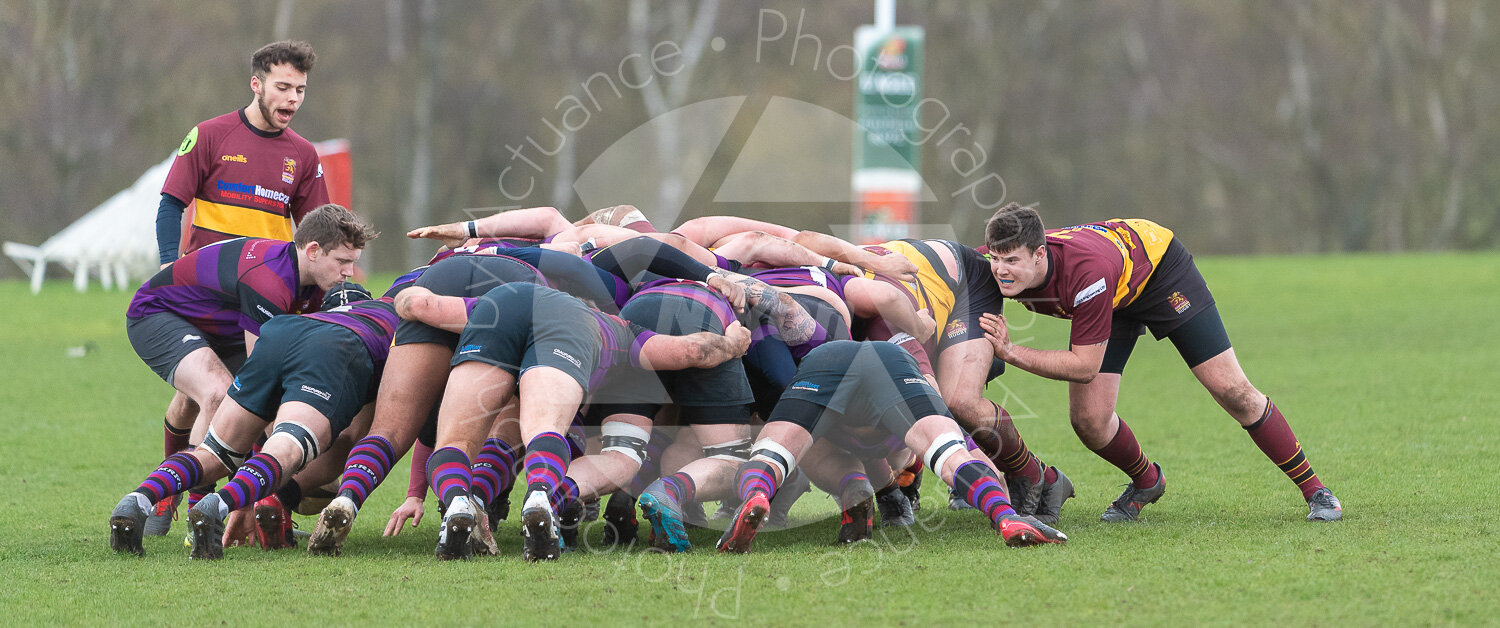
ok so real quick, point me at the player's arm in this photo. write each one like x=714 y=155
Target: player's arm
x=250 y=342
x=420 y=304
x=532 y=222
x=869 y=298
x=759 y=247
x=169 y=228
x=1080 y=363
x=701 y=350
x=793 y=323
x=618 y=216
x=709 y=230
x=889 y=265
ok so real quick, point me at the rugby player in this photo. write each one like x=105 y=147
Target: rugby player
x=952 y=282
x=310 y=378
x=249 y=175
x=550 y=349
x=872 y=389
x=1116 y=279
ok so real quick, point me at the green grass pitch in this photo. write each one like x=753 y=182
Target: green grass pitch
x=1384 y=365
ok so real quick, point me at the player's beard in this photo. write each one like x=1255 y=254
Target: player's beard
x=266 y=113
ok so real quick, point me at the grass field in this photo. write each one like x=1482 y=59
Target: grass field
x=1385 y=366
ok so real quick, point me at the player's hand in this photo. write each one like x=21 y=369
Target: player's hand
x=239 y=528
x=929 y=326
x=733 y=292
x=409 y=509
x=845 y=268
x=738 y=337
x=996 y=332
x=893 y=266
x=452 y=235
x=164 y=266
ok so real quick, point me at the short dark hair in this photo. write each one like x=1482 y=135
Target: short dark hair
x=332 y=226
x=298 y=53
x=1014 y=226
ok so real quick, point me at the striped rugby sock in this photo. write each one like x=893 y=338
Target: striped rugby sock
x=979 y=485
x=369 y=462
x=179 y=472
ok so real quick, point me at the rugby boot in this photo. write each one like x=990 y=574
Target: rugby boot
x=159 y=522
x=459 y=522
x=273 y=524
x=1024 y=530
x=894 y=507
x=542 y=539
x=206 y=529
x=1323 y=506
x=333 y=527
x=858 y=523
x=497 y=510
x=569 y=521
x=793 y=489
x=127 y=523
x=620 y=524
x=748 y=520
x=482 y=541
x=724 y=511
x=1045 y=501
x=668 y=529
x=1128 y=506
x=956 y=501
x=911 y=486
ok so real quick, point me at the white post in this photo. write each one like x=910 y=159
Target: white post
x=38 y=273
x=885 y=15
x=81 y=275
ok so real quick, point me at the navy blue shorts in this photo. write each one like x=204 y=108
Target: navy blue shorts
x=163 y=339
x=851 y=385
x=521 y=325
x=718 y=395
x=1175 y=304
x=324 y=365
x=462 y=276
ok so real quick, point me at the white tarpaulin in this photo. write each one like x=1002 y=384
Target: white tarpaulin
x=116 y=242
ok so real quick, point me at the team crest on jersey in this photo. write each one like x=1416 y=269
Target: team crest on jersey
x=956 y=328
x=1179 y=302
x=288 y=170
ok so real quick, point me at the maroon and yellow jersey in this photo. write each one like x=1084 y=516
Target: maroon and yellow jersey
x=245 y=181
x=1094 y=269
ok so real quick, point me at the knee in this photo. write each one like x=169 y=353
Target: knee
x=972 y=411
x=1241 y=399
x=1087 y=424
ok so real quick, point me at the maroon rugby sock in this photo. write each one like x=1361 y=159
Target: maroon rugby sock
x=1125 y=453
x=1275 y=439
x=1014 y=458
x=175 y=439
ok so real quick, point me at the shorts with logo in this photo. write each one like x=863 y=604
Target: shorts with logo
x=849 y=385
x=163 y=339
x=324 y=365
x=1169 y=306
x=712 y=396
x=956 y=303
x=462 y=276
x=522 y=325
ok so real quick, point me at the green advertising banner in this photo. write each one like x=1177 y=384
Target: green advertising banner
x=886 y=95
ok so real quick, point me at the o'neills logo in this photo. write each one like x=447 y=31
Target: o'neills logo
x=239 y=159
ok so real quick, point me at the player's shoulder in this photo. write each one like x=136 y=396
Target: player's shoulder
x=221 y=124
x=302 y=144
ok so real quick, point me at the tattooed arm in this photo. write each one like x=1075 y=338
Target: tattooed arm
x=793 y=323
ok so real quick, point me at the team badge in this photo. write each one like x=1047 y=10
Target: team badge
x=288 y=170
x=956 y=328
x=1179 y=302
x=188 y=142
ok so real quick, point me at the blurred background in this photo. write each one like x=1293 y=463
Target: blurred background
x=1248 y=126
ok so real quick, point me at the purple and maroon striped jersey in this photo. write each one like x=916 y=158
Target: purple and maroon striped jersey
x=373 y=320
x=804 y=276
x=229 y=287
x=694 y=290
